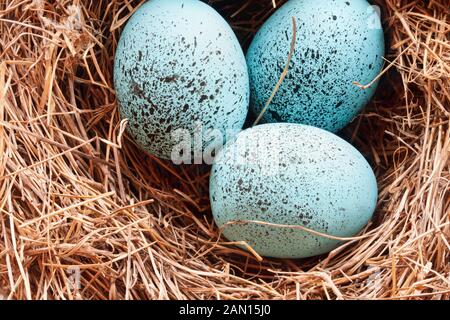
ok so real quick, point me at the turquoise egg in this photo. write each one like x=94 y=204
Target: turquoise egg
x=291 y=175
x=179 y=68
x=338 y=42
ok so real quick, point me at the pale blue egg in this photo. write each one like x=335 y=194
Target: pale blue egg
x=295 y=175
x=180 y=68
x=338 y=42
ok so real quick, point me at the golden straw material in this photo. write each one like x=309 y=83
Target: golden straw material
x=84 y=214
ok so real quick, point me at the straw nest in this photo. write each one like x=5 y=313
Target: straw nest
x=84 y=214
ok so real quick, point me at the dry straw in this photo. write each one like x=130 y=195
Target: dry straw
x=78 y=200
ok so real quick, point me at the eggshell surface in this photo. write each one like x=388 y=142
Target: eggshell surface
x=275 y=179
x=338 y=42
x=179 y=66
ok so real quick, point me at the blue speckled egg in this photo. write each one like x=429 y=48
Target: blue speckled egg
x=338 y=42
x=291 y=175
x=180 y=68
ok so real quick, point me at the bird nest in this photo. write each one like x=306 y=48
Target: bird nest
x=85 y=214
